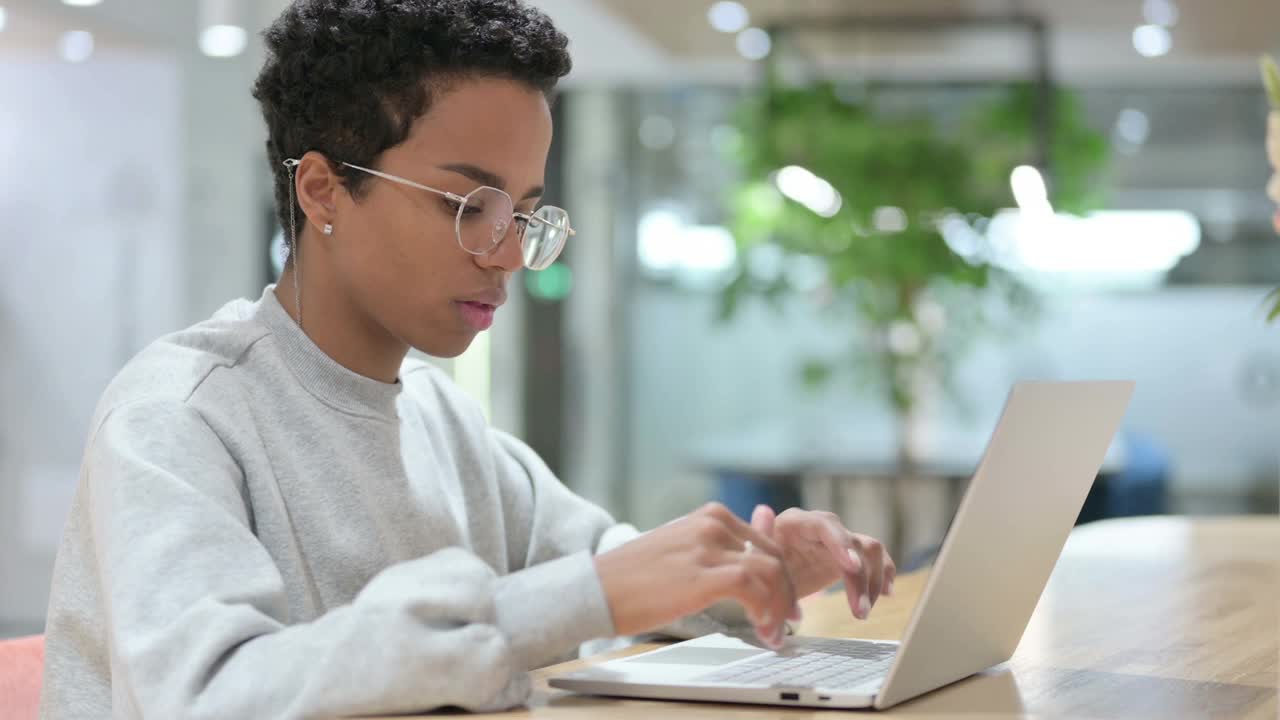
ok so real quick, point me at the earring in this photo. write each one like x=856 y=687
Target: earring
x=328 y=229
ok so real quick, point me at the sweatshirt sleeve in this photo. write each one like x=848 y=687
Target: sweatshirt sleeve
x=565 y=523
x=199 y=624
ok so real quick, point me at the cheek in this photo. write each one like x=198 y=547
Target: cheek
x=401 y=256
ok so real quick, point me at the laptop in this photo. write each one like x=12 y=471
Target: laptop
x=992 y=567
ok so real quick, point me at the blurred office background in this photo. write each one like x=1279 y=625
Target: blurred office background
x=987 y=191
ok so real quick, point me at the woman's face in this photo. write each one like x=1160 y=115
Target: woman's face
x=395 y=250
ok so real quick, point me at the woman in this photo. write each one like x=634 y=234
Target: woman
x=279 y=516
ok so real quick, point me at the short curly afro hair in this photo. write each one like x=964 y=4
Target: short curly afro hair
x=348 y=78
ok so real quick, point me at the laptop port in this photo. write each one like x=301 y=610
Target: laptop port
x=791 y=696
x=824 y=697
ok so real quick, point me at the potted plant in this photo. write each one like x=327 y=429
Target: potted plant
x=862 y=196
x=1271 y=79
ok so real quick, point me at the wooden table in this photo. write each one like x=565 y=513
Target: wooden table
x=1158 y=618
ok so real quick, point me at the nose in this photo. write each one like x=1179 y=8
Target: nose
x=507 y=256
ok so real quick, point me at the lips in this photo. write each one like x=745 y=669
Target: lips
x=477 y=315
x=478 y=309
x=495 y=298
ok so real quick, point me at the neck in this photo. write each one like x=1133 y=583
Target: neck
x=338 y=327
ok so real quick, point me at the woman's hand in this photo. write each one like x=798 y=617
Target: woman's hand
x=819 y=550
x=690 y=564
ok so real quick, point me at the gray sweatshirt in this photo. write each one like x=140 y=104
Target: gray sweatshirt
x=259 y=532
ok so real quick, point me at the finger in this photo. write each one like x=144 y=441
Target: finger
x=869 y=570
x=737 y=532
x=763 y=523
x=797 y=614
x=744 y=533
x=855 y=590
x=783 y=603
x=742 y=580
x=762 y=520
x=888 y=570
x=835 y=539
x=733 y=579
x=890 y=574
x=764 y=546
x=872 y=552
x=781 y=593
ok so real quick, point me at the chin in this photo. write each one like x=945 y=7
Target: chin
x=446 y=348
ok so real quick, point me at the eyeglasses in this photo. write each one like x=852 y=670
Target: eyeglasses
x=483 y=216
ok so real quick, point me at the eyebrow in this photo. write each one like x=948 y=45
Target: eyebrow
x=486 y=177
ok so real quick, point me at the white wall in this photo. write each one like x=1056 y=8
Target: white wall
x=91 y=258
x=227 y=185
x=133 y=194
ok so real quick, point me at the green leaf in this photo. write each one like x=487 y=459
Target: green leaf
x=731 y=297
x=816 y=373
x=1271 y=78
x=1275 y=310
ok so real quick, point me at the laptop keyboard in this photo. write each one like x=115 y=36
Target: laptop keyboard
x=824 y=663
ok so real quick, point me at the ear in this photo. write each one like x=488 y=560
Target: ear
x=317 y=186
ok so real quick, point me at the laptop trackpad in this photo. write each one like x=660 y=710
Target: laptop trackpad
x=694 y=655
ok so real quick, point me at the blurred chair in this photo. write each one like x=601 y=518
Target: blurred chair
x=1141 y=487
x=21 y=673
x=741 y=491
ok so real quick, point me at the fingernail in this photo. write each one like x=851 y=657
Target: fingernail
x=864 y=607
x=767 y=640
x=766 y=617
x=775 y=637
x=797 y=614
x=888 y=588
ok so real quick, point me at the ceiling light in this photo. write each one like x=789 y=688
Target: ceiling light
x=81 y=3
x=76 y=46
x=4 y=18
x=222 y=32
x=754 y=44
x=222 y=41
x=1152 y=40
x=728 y=17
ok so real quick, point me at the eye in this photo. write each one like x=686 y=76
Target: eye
x=451 y=206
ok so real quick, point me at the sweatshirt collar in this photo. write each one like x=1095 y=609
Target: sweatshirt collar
x=321 y=375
